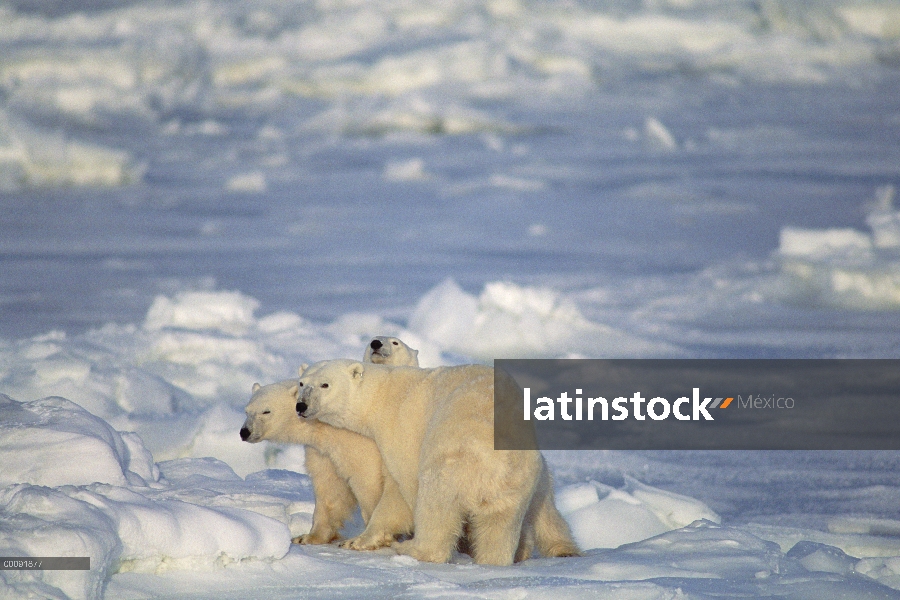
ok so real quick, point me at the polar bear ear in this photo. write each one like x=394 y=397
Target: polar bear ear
x=256 y=386
x=302 y=368
x=295 y=391
x=356 y=370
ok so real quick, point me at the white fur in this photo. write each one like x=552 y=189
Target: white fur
x=392 y=351
x=434 y=429
x=345 y=469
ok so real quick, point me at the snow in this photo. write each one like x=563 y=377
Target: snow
x=845 y=266
x=38 y=434
x=73 y=486
x=158 y=523
x=197 y=195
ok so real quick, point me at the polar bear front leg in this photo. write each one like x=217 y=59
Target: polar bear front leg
x=334 y=500
x=391 y=517
x=438 y=523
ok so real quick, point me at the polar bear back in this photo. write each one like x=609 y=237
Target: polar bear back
x=398 y=396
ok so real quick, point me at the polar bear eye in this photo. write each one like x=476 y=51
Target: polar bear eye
x=265 y=412
x=395 y=343
x=324 y=385
x=301 y=384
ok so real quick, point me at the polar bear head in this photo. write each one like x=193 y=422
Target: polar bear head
x=327 y=390
x=271 y=409
x=386 y=350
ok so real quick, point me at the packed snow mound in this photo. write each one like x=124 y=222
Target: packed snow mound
x=54 y=442
x=702 y=560
x=228 y=312
x=74 y=486
x=511 y=321
x=46 y=521
x=844 y=267
x=605 y=517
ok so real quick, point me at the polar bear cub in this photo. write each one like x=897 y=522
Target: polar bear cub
x=385 y=350
x=345 y=468
x=434 y=428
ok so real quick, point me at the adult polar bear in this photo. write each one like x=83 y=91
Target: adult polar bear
x=434 y=428
x=345 y=468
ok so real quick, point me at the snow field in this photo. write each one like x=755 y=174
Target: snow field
x=148 y=150
x=395 y=66
x=94 y=483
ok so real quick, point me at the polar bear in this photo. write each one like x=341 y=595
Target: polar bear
x=434 y=429
x=345 y=468
x=386 y=350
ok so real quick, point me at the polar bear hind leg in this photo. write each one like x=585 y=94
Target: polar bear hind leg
x=496 y=535
x=552 y=534
x=476 y=489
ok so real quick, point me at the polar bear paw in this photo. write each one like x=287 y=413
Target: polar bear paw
x=411 y=548
x=313 y=539
x=368 y=541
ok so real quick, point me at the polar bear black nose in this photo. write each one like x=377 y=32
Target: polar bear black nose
x=301 y=407
x=376 y=344
x=245 y=433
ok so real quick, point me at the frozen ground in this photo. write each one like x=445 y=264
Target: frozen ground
x=195 y=196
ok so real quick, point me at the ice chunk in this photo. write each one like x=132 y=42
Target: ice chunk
x=229 y=312
x=845 y=267
x=822 y=558
x=218 y=435
x=820 y=244
x=76 y=487
x=674 y=510
x=444 y=313
x=658 y=135
x=30 y=157
x=884 y=221
x=254 y=182
x=605 y=517
x=506 y=320
x=157 y=531
x=512 y=321
x=885 y=570
x=704 y=548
